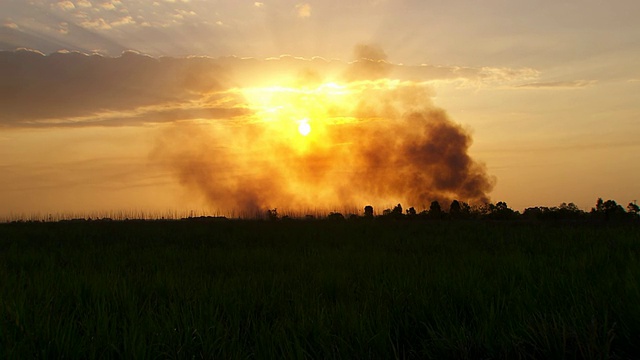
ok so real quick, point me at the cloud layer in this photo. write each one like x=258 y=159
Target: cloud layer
x=75 y=89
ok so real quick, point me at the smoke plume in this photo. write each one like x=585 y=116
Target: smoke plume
x=373 y=140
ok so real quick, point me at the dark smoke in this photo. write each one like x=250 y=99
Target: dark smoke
x=423 y=158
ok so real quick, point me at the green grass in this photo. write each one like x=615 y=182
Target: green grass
x=318 y=289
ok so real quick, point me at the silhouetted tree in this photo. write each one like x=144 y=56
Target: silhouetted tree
x=459 y=210
x=411 y=211
x=533 y=213
x=633 y=208
x=569 y=211
x=500 y=211
x=613 y=211
x=465 y=209
x=368 y=211
x=272 y=214
x=396 y=213
x=483 y=210
x=335 y=216
x=563 y=212
x=570 y=207
x=608 y=210
x=435 y=211
x=454 y=208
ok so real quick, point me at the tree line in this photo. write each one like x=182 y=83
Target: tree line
x=603 y=211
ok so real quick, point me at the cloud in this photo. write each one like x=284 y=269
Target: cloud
x=75 y=89
x=65 y=5
x=108 y=5
x=303 y=10
x=126 y=20
x=10 y=25
x=84 y=3
x=274 y=70
x=54 y=39
x=63 y=28
x=258 y=4
x=558 y=84
x=37 y=88
x=96 y=23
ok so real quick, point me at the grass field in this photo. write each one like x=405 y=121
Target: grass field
x=318 y=289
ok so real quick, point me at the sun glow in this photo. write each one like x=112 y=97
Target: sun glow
x=304 y=128
x=302 y=116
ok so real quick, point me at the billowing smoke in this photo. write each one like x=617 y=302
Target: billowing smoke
x=373 y=141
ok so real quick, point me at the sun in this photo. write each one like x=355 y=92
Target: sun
x=304 y=128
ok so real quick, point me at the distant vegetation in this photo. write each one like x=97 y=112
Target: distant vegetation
x=603 y=211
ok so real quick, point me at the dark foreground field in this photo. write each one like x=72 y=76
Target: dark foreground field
x=318 y=289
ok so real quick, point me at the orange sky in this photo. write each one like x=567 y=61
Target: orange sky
x=406 y=102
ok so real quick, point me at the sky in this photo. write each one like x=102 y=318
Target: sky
x=225 y=107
